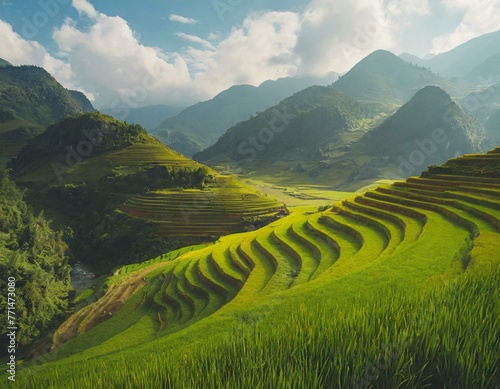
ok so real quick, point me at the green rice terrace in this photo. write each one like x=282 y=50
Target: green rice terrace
x=115 y=186
x=395 y=288
x=218 y=209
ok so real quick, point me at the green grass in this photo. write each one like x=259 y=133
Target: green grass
x=397 y=287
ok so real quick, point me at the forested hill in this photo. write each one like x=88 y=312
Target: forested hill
x=34 y=254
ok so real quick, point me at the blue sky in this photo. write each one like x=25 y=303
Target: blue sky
x=178 y=52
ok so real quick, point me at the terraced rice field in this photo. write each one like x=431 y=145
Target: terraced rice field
x=392 y=227
x=220 y=209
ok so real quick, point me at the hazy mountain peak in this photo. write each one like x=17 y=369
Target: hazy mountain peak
x=384 y=77
x=4 y=63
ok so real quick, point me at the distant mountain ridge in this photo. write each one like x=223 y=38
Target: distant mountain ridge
x=204 y=122
x=428 y=130
x=149 y=117
x=383 y=77
x=293 y=131
x=461 y=60
x=329 y=139
x=473 y=60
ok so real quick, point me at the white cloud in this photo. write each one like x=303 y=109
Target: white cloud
x=479 y=17
x=261 y=49
x=334 y=38
x=109 y=61
x=84 y=8
x=408 y=8
x=196 y=39
x=182 y=19
x=19 y=51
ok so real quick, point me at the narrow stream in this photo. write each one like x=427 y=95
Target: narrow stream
x=81 y=277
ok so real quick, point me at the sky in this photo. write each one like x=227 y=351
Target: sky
x=179 y=52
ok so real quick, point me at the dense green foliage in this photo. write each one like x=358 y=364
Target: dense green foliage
x=32 y=253
x=87 y=206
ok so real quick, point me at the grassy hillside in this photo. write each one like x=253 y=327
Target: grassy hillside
x=396 y=287
x=122 y=196
x=32 y=94
x=430 y=110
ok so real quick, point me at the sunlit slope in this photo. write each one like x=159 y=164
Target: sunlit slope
x=126 y=196
x=400 y=235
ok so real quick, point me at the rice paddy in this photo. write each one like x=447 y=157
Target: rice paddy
x=395 y=287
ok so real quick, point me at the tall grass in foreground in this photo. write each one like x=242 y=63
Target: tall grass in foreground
x=447 y=338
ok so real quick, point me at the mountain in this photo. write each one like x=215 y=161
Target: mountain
x=121 y=196
x=32 y=94
x=4 y=63
x=82 y=100
x=291 y=132
x=412 y=59
x=383 y=77
x=206 y=121
x=185 y=142
x=427 y=130
x=30 y=100
x=463 y=59
x=486 y=72
x=484 y=105
x=148 y=117
x=337 y=141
